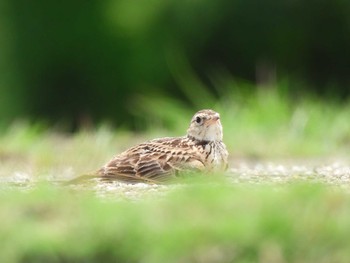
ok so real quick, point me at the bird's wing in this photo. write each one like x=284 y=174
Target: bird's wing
x=154 y=161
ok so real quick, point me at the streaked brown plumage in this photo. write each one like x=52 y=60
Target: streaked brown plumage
x=159 y=160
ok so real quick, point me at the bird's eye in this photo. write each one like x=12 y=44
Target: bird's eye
x=198 y=120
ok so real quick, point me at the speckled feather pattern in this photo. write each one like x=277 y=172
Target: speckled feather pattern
x=162 y=159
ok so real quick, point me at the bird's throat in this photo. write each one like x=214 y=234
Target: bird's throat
x=197 y=141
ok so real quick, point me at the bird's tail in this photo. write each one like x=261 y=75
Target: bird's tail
x=80 y=179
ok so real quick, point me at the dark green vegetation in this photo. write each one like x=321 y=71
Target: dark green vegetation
x=94 y=60
x=203 y=222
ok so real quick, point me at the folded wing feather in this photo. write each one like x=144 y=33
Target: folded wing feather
x=152 y=162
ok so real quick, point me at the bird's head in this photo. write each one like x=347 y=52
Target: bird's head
x=205 y=126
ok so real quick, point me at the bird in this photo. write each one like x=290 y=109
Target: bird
x=159 y=160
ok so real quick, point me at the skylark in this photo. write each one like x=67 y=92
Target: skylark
x=159 y=160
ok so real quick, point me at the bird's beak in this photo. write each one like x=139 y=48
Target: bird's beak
x=214 y=120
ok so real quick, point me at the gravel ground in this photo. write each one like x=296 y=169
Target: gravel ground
x=331 y=173
x=279 y=173
x=327 y=172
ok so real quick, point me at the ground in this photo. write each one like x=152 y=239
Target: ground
x=28 y=158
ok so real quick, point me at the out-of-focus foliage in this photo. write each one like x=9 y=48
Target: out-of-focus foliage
x=198 y=223
x=92 y=60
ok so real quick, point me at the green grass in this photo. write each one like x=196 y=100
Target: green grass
x=198 y=223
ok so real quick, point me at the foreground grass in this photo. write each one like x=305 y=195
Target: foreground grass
x=201 y=222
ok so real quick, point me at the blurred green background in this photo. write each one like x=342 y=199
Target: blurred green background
x=83 y=62
x=277 y=71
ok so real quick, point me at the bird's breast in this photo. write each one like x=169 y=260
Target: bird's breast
x=215 y=155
